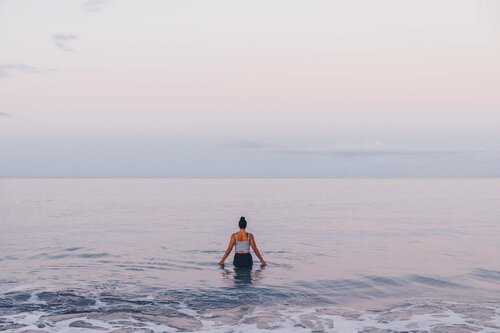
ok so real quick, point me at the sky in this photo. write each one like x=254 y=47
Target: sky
x=274 y=88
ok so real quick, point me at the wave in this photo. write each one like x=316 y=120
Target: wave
x=369 y=303
x=116 y=307
x=67 y=311
x=489 y=275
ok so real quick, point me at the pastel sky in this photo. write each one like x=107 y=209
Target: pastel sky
x=228 y=88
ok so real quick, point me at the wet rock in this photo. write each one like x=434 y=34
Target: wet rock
x=312 y=322
x=132 y=330
x=351 y=315
x=125 y=323
x=181 y=323
x=473 y=312
x=376 y=330
x=412 y=325
x=268 y=326
x=184 y=323
x=263 y=321
x=84 y=324
x=330 y=311
x=454 y=329
x=11 y=326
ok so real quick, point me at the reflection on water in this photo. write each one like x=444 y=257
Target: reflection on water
x=242 y=276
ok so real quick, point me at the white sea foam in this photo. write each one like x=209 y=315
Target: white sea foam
x=420 y=317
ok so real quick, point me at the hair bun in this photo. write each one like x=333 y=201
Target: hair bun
x=242 y=223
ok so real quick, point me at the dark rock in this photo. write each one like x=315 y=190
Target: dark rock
x=84 y=324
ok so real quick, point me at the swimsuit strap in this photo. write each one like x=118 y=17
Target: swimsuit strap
x=236 y=237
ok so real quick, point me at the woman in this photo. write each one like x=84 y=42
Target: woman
x=242 y=241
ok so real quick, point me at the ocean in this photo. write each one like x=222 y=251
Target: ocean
x=344 y=255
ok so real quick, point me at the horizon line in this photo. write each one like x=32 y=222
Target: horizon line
x=222 y=178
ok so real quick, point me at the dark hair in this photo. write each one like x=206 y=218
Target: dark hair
x=242 y=223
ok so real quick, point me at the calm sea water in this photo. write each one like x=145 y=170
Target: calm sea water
x=140 y=255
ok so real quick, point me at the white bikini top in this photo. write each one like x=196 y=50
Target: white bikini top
x=242 y=246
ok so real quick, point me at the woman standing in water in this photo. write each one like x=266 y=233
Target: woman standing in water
x=242 y=241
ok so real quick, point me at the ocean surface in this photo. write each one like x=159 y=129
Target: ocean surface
x=344 y=255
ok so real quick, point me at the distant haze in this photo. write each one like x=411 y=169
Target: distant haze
x=280 y=88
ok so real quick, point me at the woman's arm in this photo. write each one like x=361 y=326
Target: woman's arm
x=229 y=249
x=256 y=250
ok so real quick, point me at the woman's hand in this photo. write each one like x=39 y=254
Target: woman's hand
x=263 y=263
x=221 y=263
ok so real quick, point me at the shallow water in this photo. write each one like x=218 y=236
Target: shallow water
x=140 y=255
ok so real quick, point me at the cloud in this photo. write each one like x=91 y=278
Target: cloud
x=354 y=150
x=94 y=5
x=4 y=114
x=6 y=70
x=62 y=40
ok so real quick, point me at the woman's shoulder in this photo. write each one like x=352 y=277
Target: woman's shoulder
x=235 y=235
